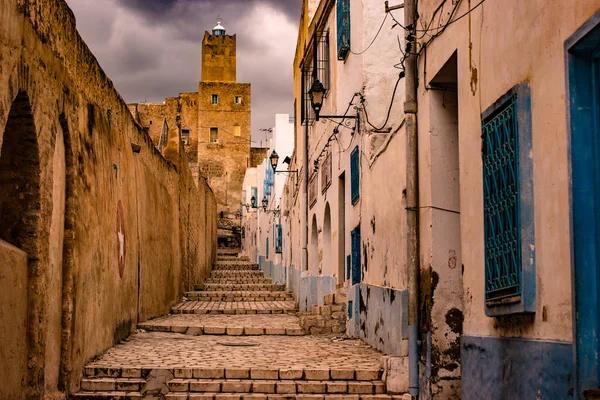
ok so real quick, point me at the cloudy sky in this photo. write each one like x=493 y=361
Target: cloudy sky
x=151 y=49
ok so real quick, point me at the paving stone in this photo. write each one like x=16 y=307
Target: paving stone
x=183 y=373
x=205 y=386
x=337 y=387
x=179 y=385
x=223 y=396
x=176 y=396
x=367 y=375
x=291 y=373
x=360 y=387
x=209 y=373
x=311 y=387
x=286 y=387
x=264 y=373
x=98 y=384
x=237 y=373
x=342 y=374
x=236 y=386
x=263 y=386
x=316 y=374
x=201 y=396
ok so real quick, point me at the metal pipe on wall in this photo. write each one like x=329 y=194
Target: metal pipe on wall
x=412 y=197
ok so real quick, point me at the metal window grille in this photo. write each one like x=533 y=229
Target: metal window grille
x=326 y=172
x=355 y=174
x=278 y=239
x=254 y=197
x=312 y=190
x=343 y=29
x=215 y=99
x=501 y=191
x=308 y=74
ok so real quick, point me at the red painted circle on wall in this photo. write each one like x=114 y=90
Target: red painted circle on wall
x=121 y=244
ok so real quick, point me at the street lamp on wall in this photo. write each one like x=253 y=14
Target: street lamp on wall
x=317 y=94
x=265 y=204
x=275 y=160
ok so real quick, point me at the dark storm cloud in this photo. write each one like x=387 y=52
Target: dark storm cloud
x=159 y=9
x=151 y=49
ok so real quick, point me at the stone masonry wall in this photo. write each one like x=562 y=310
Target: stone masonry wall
x=117 y=230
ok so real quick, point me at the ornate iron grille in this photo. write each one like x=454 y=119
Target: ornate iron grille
x=355 y=175
x=501 y=191
x=308 y=73
x=343 y=29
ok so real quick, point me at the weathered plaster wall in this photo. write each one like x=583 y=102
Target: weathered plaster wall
x=13 y=314
x=110 y=217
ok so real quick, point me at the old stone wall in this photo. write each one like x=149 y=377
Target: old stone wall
x=224 y=161
x=111 y=228
x=218 y=58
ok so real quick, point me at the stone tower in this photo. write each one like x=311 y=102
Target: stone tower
x=223 y=120
x=218 y=56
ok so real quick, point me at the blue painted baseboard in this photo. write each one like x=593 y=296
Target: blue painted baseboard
x=515 y=369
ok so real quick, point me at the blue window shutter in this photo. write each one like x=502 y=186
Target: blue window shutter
x=267 y=248
x=356 y=262
x=355 y=175
x=343 y=29
x=278 y=239
x=501 y=204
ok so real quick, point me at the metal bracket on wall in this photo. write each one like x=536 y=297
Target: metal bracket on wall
x=392 y=8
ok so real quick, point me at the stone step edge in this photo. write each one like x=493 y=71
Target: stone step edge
x=236 y=396
x=224 y=330
x=276 y=386
x=235 y=311
x=271 y=374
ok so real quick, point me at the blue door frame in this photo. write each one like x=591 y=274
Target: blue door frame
x=356 y=262
x=583 y=77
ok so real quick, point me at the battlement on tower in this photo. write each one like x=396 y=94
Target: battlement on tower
x=219 y=58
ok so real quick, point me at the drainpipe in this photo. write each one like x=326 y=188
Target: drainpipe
x=304 y=210
x=412 y=199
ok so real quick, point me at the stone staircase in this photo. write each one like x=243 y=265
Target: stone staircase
x=235 y=340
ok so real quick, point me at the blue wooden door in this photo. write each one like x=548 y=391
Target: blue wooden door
x=584 y=94
x=356 y=271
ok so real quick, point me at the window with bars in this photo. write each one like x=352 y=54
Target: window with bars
x=355 y=175
x=308 y=74
x=508 y=204
x=278 y=239
x=313 y=184
x=326 y=173
x=343 y=29
x=215 y=99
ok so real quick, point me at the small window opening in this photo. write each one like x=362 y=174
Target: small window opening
x=214 y=135
x=215 y=99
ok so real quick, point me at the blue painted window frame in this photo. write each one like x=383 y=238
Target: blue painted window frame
x=267 y=249
x=521 y=301
x=356 y=260
x=343 y=29
x=355 y=175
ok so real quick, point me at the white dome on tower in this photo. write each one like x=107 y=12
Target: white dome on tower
x=218 y=30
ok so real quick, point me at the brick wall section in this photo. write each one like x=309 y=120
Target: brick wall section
x=114 y=268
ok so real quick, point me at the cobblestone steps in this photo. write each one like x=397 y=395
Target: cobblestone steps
x=238 y=280
x=235 y=307
x=239 y=296
x=270 y=287
x=242 y=273
x=276 y=386
x=236 y=267
x=231 y=325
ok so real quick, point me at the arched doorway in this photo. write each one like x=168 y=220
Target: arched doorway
x=313 y=256
x=21 y=278
x=327 y=266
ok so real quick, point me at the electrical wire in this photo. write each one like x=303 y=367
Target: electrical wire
x=372 y=41
x=362 y=100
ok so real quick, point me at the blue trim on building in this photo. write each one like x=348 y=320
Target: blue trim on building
x=516 y=369
x=582 y=61
x=526 y=303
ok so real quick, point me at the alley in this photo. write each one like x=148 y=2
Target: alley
x=237 y=336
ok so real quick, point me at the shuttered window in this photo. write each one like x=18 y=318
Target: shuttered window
x=343 y=29
x=501 y=203
x=278 y=239
x=355 y=175
x=356 y=270
x=508 y=204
